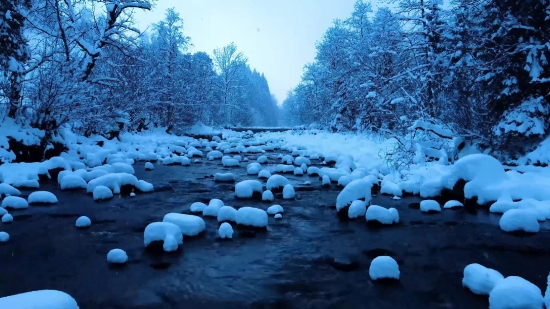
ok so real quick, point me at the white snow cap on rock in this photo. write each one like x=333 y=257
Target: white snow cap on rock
x=276 y=181
x=355 y=190
x=382 y=215
x=149 y=166
x=519 y=220
x=72 y=181
x=225 y=231
x=246 y=188
x=213 y=207
x=261 y=159
x=43 y=299
x=253 y=168
x=480 y=279
x=325 y=180
x=264 y=174
x=429 y=205
x=251 y=216
x=453 y=204
x=278 y=216
x=8 y=190
x=197 y=207
x=547 y=294
x=224 y=177
x=168 y=233
x=43 y=197
x=102 y=193
x=515 y=293
x=3 y=211
x=275 y=209
x=14 y=202
x=227 y=213
x=298 y=171
x=83 y=221
x=112 y=181
x=288 y=192
x=384 y=267
x=117 y=256
x=189 y=225
x=4 y=237
x=267 y=196
x=7 y=218
x=357 y=209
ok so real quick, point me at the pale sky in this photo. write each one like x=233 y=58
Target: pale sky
x=277 y=36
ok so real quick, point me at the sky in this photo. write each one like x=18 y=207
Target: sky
x=277 y=36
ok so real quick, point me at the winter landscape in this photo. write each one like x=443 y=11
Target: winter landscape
x=408 y=168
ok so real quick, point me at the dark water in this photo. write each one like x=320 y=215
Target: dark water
x=286 y=267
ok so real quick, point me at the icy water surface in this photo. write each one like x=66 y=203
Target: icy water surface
x=289 y=266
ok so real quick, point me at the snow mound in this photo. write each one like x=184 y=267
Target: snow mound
x=264 y=174
x=215 y=154
x=281 y=168
x=515 y=293
x=72 y=182
x=117 y=256
x=355 y=190
x=120 y=167
x=276 y=182
x=298 y=171
x=302 y=160
x=275 y=209
x=229 y=162
x=384 y=267
x=267 y=196
x=382 y=215
x=224 y=177
x=149 y=166
x=357 y=209
x=6 y=189
x=519 y=220
x=430 y=206
x=278 y=216
x=189 y=225
x=213 y=207
x=168 y=233
x=113 y=181
x=3 y=211
x=7 y=218
x=227 y=213
x=253 y=168
x=42 y=197
x=288 y=192
x=225 y=231
x=14 y=202
x=102 y=193
x=4 y=237
x=325 y=181
x=250 y=216
x=83 y=221
x=261 y=159
x=43 y=299
x=480 y=279
x=198 y=207
x=453 y=204
x=247 y=188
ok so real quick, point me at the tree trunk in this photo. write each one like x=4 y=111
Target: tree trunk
x=15 y=93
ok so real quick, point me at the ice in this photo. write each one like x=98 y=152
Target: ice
x=515 y=293
x=480 y=279
x=382 y=215
x=384 y=267
x=189 y=225
x=519 y=220
x=355 y=190
x=14 y=202
x=430 y=206
x=149 y=166
x=4 y=237
x=357 y=209
x=227 y=213
x=288 y=192
x=250 y=216
x=246 y=188
x=197 y=207
x=42 y=197
x=102 y=193
x=225 y=231
x=7 y=218
x=267 y=196
x=264 y=174
x=224 y=177
x=169 y=233
x=275 y=209
x=117 y=256
x=276 y=182
x=72 y=182
x=453 y=204
x=83 y=221
x=43 y=299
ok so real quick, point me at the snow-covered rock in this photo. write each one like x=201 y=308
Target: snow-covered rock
x=4 y=237
x=288 y=192
x=72 y=182
x=7 y=218
x=344 y=180
x=480 y=279
x=298 y=171
x=225 y=231
x=355 y=190
x=247 y=188
x=253 y=168
x=144 y=186
x=113 y=181
x=43 y=299
x=224 y=177
x=382 y=215
x=120 y=167
x=250 y=216
x=14 y=202
x=102 y=193
x=430 y=206
x=384 y=267
x=149 y=166
x=267 y=196
x=515 y=293
x=276 y=182
x=169 y=233
x=229 y=162
x=42 y=197
x=453 y=204
x=357 y=209
x=197 y=207
x=83 y=221
x=215 y=154
x=227 y=213
x=117 y=256
x=6 y=189
x=278 y=216
x=3 y=211
x=264 y=174
x=282 y=168
x=519 y=220
x=275 y=209
x=325 y=181
x=213 y=207
x=313 y=171
x=261 y=159
x=302 y=160
x=189 y=225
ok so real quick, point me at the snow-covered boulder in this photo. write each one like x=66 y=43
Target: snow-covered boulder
x=224 y=177
x=149 y=166
x=384 y=267
x=117 y=256
x=213 y=207
x=355 y=190
x=275 y=209
x=197 y=207
x=267 y=196
x=169 y=233
x=189 y=225
x=313 y=171
x=453 y=204
x=515 y=293
x=227 y=214
x=215 y=154
x=325 y=181
x=298 y=171
x=480 y=279
x=278 y=216
x=102 y=193
x=253 y=217
x=261 y=159
x=229 y=162
x=282 y=168
x=43 y=299
x=14 y=202
x=42 y=197
x=3 y=211
x=4 y=237
x=83 y=222
x=114 y=181
x=264 y=174
x=247 y=188
x=7 y=218
x=288 y=159
x=120 y=167
x=6 y=189
x=225 y=231
x=344 y=180
x=381 y=215
x=72 y=181
x=357 y=209
x=143 y=186
x=515 y=220
x=430 y=206
x=253 y=168
x=276 y=183
x=289 y=192
x=302 y=160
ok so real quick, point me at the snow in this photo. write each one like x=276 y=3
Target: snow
x=7 y=218
x=102 y=193
x=547 y=293
x=261 y=159
x=519 y=220
x=167 y=232
x=112 y=181
x=149 y=166
x=357 y=209
x=430 y=205
x=384 y=267
x=214 y=154
x=382 y=215
x=197 y=207
x=3 y=211
x=42 y=197
x=72 y=182
x=264 y=174
x=43 y=299
x=4 y=237
x=267 y=196
x=278 y=216
x=6 y=189
x=355 y=190
x=253 y=168
x=515 y=293
x=189 y=225
x=288 y=192
x=453 y=204
x=83 y=221
x=120 y=167
x=298 y=171
x=224 y=177
x=325 y=181
x=117 y=256
x=480 y=279
x=246 y=188
x=14 y=202
x=275 y=209
x=276 y=181
x=250 y=216
x=302 y=160
x=229 y=162
x=227 y=213
x=225 y=231
x=213 y=207
x=143 y=186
